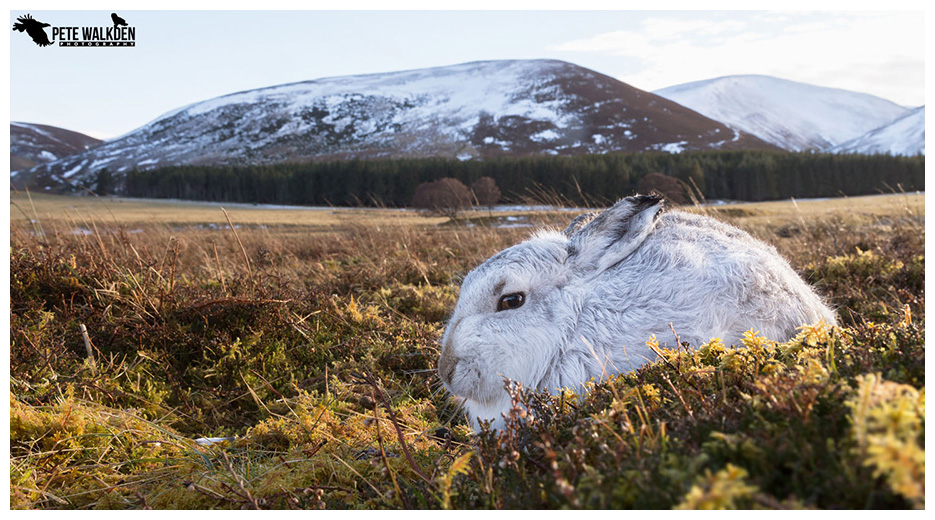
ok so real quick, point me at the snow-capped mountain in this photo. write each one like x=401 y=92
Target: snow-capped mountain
x=791 y=115
x=32 y=144
x=905 y=136
x=473 y=110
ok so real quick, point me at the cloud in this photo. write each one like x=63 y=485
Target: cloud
x=663 y=30
x=653 y=33
x=840 y=50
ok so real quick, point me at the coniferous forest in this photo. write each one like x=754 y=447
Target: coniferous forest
x=583 y=179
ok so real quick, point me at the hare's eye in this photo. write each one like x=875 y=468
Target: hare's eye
x=511 y=301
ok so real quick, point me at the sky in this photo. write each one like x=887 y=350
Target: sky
x=186 y=56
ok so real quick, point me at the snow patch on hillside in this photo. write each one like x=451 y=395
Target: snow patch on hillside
x=905 y=136
x=794 y=116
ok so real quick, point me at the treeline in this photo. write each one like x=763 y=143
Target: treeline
x=583 y=179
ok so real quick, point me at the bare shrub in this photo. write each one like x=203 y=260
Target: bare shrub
x=672 y=189
x=446 y=197
x=486 y=192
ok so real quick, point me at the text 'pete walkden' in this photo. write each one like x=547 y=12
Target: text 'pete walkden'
x=94 y=36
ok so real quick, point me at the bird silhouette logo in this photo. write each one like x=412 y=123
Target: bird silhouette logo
x=34 y=28
x=118 y=21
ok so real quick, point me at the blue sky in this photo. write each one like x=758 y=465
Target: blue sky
x=183 y=57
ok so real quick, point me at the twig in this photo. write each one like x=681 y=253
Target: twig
x=87 y=346
x=244 y=493
x=679 y=395
x=220 y=301
x=386 y=463
x=209 y=492
x=37 y=225
x=143 y=501
x=399 y=431
x=243 y=250
x=218 y=262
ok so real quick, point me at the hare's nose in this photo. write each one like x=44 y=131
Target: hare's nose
x=446 y=365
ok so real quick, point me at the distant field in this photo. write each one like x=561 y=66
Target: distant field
x=107 y=210
x=63 y=209
x=864 y=206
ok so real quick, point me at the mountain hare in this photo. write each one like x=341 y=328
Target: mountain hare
x=560 y=309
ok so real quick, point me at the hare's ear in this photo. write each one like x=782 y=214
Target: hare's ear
x=614 y=234
x=579 y=222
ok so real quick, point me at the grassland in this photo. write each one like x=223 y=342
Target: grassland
x=308 y=338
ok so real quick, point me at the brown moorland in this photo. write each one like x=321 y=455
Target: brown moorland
x=161 y=358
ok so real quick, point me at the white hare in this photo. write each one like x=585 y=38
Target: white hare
x=560 y=309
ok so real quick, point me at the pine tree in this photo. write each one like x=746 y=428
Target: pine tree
x=104 y=183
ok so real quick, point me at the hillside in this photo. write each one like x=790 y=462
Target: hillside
x=473 y=110
x=793 y=116
x=905 y=136
x=32 y=144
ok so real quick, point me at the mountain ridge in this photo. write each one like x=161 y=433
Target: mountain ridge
x=791 y=115
x=486 y=109
x=904 y=136
x=32 y=143
x=472 y=110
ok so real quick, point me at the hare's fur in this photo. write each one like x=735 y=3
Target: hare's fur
x=595 y=294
